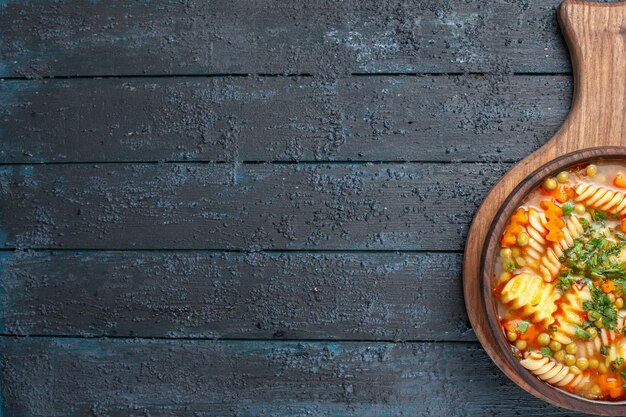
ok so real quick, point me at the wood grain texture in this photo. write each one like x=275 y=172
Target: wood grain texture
x=365 y=296
x=321 y=37
x=73 y=377
x=596 y=38
x=442 y=118
x=249 y=206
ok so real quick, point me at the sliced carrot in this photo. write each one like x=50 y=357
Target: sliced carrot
x=611 y=385
x=549 y=206
x=516 y=225
x=531 y=334
x=555 y=236
x=511 y=325
x=560 y=193
x=508 y=240
x=608 y=286
x=554 y=225
x=623 y=225
x=554 y=222
x=520 y=217
x=620 y=180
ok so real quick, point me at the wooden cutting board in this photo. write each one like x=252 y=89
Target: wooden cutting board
x=596 y=38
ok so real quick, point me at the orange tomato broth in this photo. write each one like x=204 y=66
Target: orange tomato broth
x=604 y=384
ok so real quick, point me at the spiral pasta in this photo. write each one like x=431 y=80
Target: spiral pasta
x=534 y=297
x=536 y=231
x=553 y=372
x=569 y=317
x=601 y=198
x=550 y=266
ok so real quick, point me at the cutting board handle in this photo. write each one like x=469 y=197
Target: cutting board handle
x=596 y=37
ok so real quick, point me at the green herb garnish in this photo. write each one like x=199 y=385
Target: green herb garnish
x=546 y=351
x=617 y=363
x=604 y=350
x=601 y=305
x=522 y=326
x=568 y=208
x=581 y=333
x=592 y=256
x=597 y=215
x=566 y=279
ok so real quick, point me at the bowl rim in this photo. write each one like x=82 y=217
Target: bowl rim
x=487 y=264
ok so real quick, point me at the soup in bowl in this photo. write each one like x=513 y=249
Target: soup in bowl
x=559 y=281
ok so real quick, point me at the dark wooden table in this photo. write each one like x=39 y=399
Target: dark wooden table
x=258 y=207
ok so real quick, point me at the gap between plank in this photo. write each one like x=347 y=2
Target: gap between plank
x=243 y=251
x=231 y=339
x=268 y=162
x=262 y=74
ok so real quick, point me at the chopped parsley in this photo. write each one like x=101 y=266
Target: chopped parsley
x=604 y=350
x=581 y=333
x=617 y=363
x=522 y=326
x=592 y=255
x=546 y=351
x=566 y=279
x=600 y=305
x=598 y=216
x=568 y=208
x=587 y=323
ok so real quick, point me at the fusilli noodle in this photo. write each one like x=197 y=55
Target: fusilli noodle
x=550 y=264
x=601 y=198
x=553 y=372
x=534 y=297
x=569 y=316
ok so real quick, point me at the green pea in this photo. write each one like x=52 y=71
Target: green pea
x=559 y=356
x=562 y=177
x=543 y=339
x=549 y=184
x=592 y=170
x=555 y=346
x=582 y=363
x=523 y=238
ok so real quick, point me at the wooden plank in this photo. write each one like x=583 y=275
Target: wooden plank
x=387 y=296
x=251 y=206
x=442 y=118
x=41 y=38
x=74 y=377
